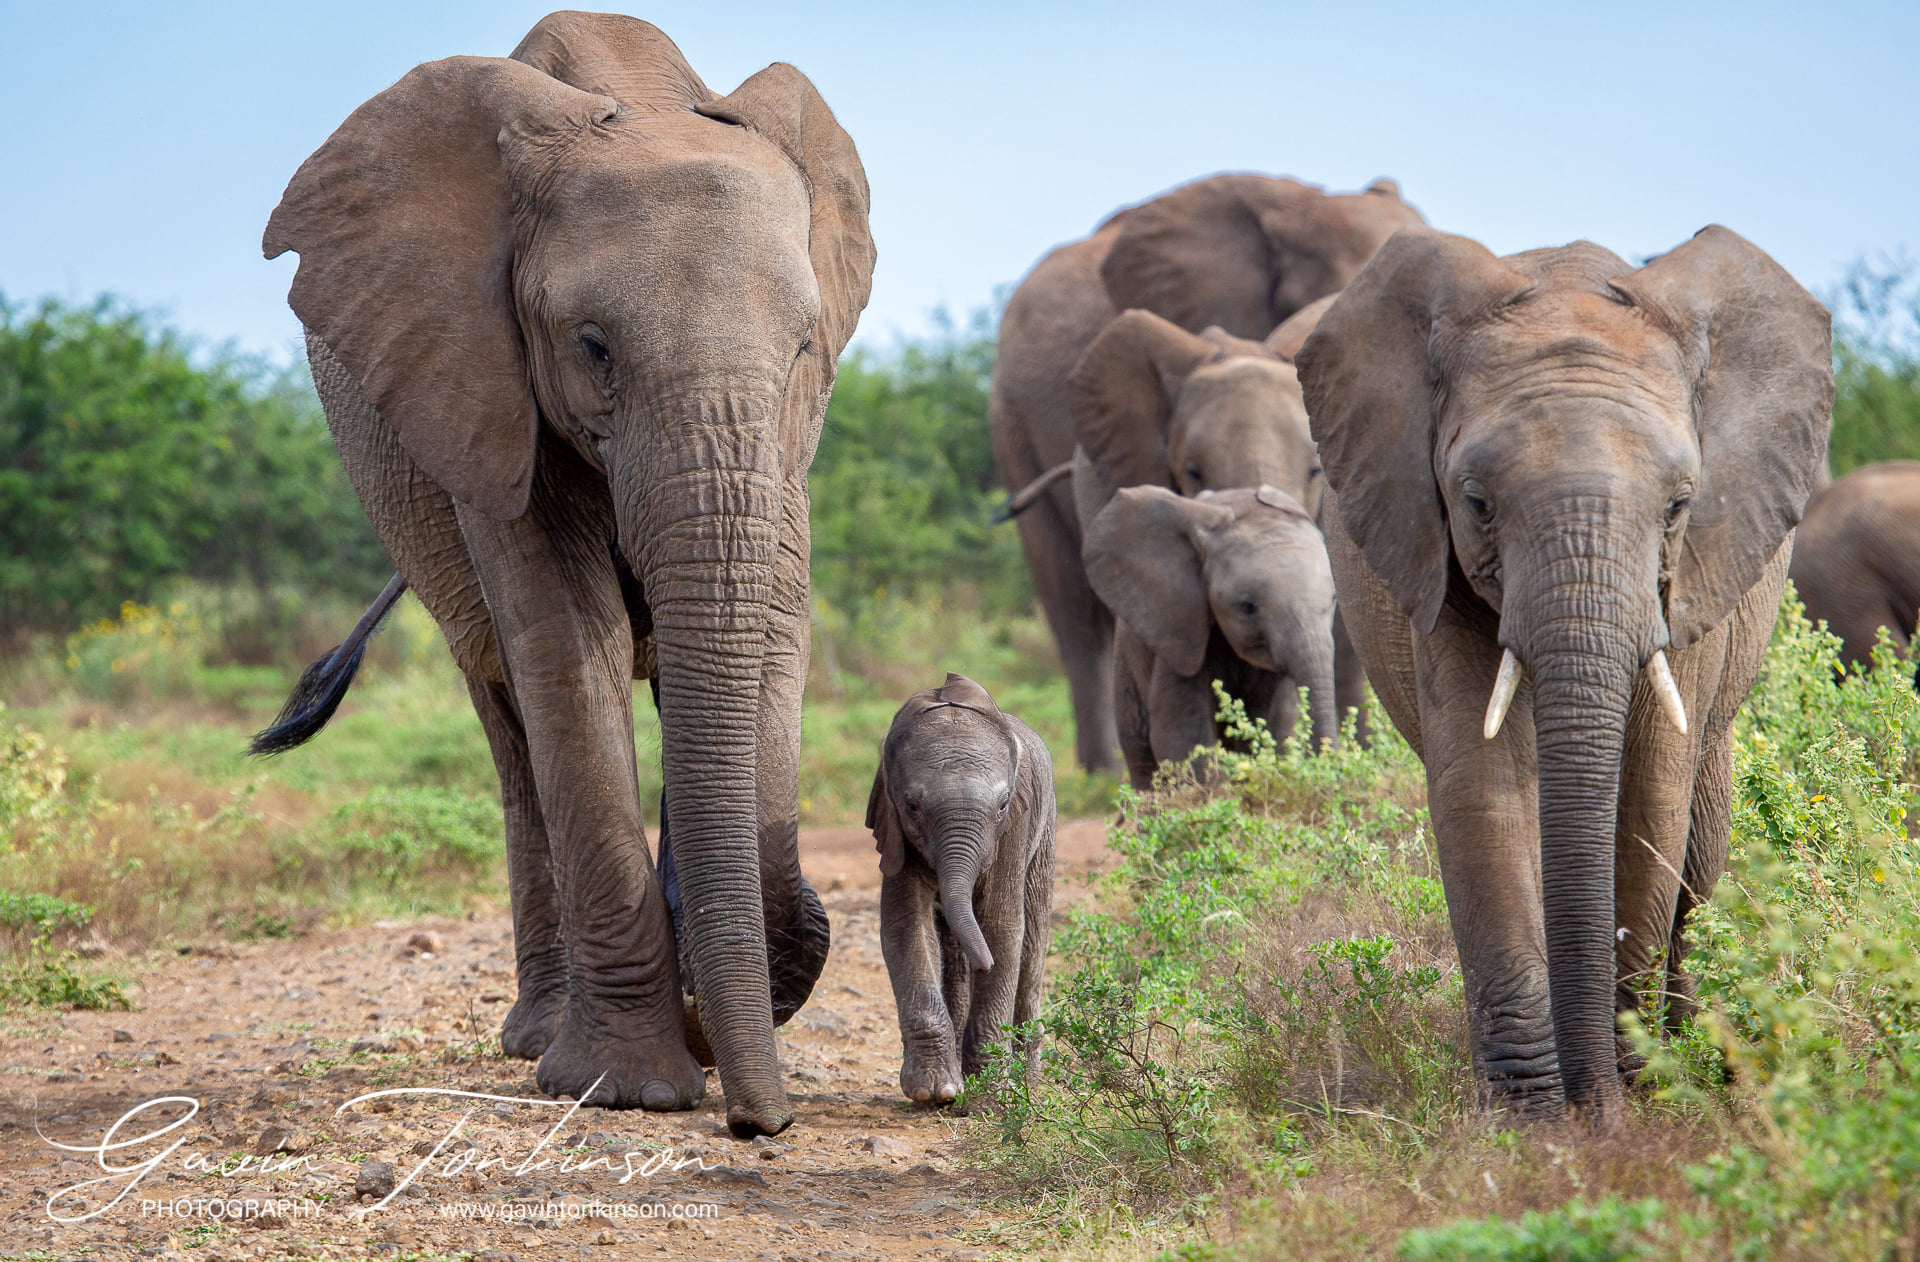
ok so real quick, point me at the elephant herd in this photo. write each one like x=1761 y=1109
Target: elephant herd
x=574 y=319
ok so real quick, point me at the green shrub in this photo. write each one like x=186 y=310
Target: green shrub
x=1876 y=403
x=1606 y=1231
x=124 y=465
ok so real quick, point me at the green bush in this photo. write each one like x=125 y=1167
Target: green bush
x=1876 y=403
x=1608 y=1231
x=124 y=464
x=903 y=484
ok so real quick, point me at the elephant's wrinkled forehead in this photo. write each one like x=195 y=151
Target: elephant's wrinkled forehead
x=646 y=162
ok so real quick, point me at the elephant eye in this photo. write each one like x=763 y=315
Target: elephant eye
x=1313 y=473
x=805 y=346
x=1479 y=508
x=1193 y=475
x=1677 y=507
x=597 y=352
x=913 y=808
x=1248 y=608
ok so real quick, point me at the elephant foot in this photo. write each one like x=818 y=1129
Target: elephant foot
x=931 y=1079
x=1541 y=1099
x=534 y=1021
x=595 y=1066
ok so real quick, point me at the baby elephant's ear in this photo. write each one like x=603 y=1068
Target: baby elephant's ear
x=885 y=825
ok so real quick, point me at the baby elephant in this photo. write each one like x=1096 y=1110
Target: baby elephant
x=1231 y=586
x=962 y=812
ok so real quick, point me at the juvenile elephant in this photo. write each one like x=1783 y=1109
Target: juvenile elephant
x=1154 y=405
x=1234 y=587
x=1856 y=557
x=1564 y=493
x=574 y=319
x=962 y=811
x=1242 y=252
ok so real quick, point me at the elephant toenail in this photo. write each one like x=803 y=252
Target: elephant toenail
x=659 y=1094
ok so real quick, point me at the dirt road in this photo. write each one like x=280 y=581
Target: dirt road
x=269 y=1040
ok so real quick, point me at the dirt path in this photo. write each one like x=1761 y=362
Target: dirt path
x=271 y=1038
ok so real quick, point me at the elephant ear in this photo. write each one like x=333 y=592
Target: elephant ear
x=612 y=55
x=1319 y=243
x=1371 y=385
x=888 y=839
x=1144 y=555
x=1762 y=351
x=1121 y=395
x=782 y=106
x=404 y=224
x=1200 y=255
x=1292 y=333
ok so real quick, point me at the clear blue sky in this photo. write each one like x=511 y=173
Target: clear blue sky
x=143 y=144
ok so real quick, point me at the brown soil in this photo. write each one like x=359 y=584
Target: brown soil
x=254 y=1032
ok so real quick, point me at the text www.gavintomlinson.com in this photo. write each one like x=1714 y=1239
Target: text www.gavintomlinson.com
x=516 y=1211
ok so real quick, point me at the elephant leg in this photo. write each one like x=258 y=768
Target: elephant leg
x=1000 y=907
x=1134 y=723
x=1180 y=710
x=1082 y=627
x=930 y=1059
x=1349 y=682
x=539 y=948
x=1650 y=840
x=1709 y=831
x=1484 y=803
x=567 y=646
x=1283 y=711
x=1037 y=910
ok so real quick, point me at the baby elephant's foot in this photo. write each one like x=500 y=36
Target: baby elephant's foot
x=931 y=1079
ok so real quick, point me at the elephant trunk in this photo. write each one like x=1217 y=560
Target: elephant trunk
x=1322 y=709
x=1582 y=657
x=710 y=526
x=962 y=852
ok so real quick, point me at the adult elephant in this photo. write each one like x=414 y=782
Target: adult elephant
x=1856 y=561
x=574 y=319
x=1563 y=494
x=1242 y=252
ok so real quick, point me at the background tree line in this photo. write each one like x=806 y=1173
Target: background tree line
x=130 y=461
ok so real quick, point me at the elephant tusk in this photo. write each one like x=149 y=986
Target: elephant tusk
x=1663 y=688
x=1505 y=684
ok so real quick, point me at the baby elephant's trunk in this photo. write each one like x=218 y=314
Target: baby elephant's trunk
x=959 y=869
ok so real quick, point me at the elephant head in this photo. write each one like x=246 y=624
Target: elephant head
x=1249 y=562
x=583 y=234
x=1244 y=252
x=1154 y=405
x=947 y=773
x=1603 y=460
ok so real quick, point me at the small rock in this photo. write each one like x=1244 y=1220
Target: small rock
x=885 y=1146
x=272 y=1140
x=503 y=1109
x=606 y=1236
x=166 y=1058
x=733 y=1174
x=370 y=1044
x=375 y=1180
x=123 y=1036
x=493 y=996
x=219 y=1036
x=494 y=1255
x=921 y=1168
x=677 y=1224
x=427 y=942
x=770 y=1151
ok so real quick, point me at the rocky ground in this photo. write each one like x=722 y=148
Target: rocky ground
x=269 y=1039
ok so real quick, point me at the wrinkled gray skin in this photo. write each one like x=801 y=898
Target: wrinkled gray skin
x=1233 y=587
x=962 y=812
x=1856 y=557
x=1558 y=455
x=574 y=319
x=1241 y=252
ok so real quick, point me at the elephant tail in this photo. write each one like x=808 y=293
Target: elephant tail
x=1020 y=501
x=325 y=683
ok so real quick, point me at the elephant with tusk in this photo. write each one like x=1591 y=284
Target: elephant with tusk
x=1562 y=493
